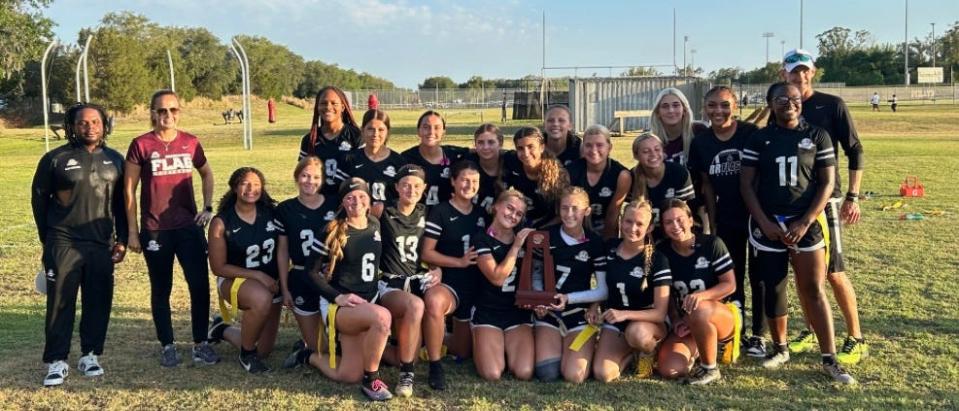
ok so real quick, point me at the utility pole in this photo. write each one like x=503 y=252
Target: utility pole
x=782 y=48
x=767 y=35
x=933 y=44
x=674 y=40
x=692 y=60
x=905 y=44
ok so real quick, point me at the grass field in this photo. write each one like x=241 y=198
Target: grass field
x=905 y=273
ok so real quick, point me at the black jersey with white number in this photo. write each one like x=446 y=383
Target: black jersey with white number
x=496 y=297
x=576 y=263
x=379 y=175
x=490 y=186
x=358 y=271
x=830 y=113
x=438 y=186
x=303 y=227
x=700 y=270
x=624 y=278
x=539 y=209
x=331 y=152
x=251 y=246
x=787 y=163
x=572 y=151
x=600 y=194
x=720 y=161
x=453 y=232
x=401 y=240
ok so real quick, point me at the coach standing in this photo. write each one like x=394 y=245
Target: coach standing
x=77 y=199
x=830 y=112
x=164 y=160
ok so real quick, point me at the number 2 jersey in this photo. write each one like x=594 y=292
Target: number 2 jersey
x=700 y=270
x=358 y=270
x=625 y=277
x=304 y=227
x=787 y=163
x=493 y=297
x=251 y=246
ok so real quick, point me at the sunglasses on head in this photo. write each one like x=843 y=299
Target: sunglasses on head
x=798 y=58
x=164 y=111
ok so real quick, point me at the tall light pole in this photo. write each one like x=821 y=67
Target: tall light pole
x=767 y=35
x=169 y=60
x=933 y=44
x=782 y=48
x=905 y=44
x=692 y=60
x=685 y=40
x=674 y=41
x=800 y=22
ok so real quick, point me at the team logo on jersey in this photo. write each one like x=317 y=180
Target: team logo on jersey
x=605 y=192
x=71 y=165
x=154 y=155
x=51 y=275
x=390 y=171
x=701 y=262
x=582 y=256
x=298 y=301
x=422 y=222
x=270 y=227
x=806 y=144
x=670 y=193
x=329 y=216
x=637 y=272
x=172 y=164
x=153 y=245
x=725 y=163
x=344 y=146
x=757 y=233
x=480 y=222
x=445 y=173
x=376 y=235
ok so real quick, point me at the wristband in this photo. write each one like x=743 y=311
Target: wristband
x=208 y=209
x=853 y=197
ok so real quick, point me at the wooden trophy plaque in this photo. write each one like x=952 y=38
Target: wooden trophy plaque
x=526 y=296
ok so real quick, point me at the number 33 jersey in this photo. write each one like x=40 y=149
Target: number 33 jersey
x=251 y=246
x=625 y=278
x=358 y=270
x=701 y=269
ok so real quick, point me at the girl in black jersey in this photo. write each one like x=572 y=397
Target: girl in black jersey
x=787 y=178
x=301 y=221
x=502 y=332
x=638 y=280
x=242 y=252
x=333 y=133
x=579 y=256
x=447 y=244
x=715 y=157
x=537 y=174
x=435 y=158
x=702 y=277
x=672 y=121
x=561 y=142
x=488 y=153
x=375 y=163
x=605 y=179
x=656 y=180
x=404 y=281
x=346 y=275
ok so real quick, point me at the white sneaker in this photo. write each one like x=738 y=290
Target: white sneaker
x=56 y=372
x=89 y=366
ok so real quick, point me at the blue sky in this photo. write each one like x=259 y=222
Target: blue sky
x=406 y=41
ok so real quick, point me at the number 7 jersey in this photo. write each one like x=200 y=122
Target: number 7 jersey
x=251 y=246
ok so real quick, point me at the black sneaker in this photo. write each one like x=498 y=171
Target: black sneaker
x=203 y=354
x=252 y=363
x=702 y=376
x=437 y=377
x=215 y=334
x=756 y=347
x=169 y=357
x=300 y=356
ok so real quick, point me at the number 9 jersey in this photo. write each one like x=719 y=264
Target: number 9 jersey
x=251 y=246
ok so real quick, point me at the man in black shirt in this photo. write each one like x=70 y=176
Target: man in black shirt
x=78 y=207
x=830 y=113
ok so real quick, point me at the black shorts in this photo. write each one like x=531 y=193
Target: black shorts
x=412 y=284
x=465 y=295
x=569 y=321
x=834 y=221
x=816 y=236
x=502 y=319
x=306 y=301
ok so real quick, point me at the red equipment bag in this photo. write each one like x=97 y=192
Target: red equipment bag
x=911 y=187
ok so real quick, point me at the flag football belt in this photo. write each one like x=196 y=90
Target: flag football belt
x=330 y=332
x=408 y=279
x=229 y=314
x=583 y=337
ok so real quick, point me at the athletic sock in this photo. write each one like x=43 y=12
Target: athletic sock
x=406 y=367
x=781 y=347
x=303 y=356
x=707 y=367
x=435 y=365
x=246 y=353
x=369 y=377
x=828 y=359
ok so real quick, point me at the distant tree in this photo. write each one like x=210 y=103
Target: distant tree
x=641 y=72
x=24 y=33
x=841 y=41
x=441 y=82
x=477 y=82
x=275 y=71
x=726 y=75
x=117 y=58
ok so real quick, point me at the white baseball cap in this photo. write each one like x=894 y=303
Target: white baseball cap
x=798 y=57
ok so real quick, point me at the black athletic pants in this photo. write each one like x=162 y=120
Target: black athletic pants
x=69 y=268
x=188 y=245
x=737 y=242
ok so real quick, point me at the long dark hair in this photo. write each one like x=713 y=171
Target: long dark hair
x=552 y=176
x=229 y=198
x=315 y=125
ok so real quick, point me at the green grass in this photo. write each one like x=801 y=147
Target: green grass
x=905 y=273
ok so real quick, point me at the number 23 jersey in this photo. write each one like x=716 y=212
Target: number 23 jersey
x=700 y=270
x=624 y=278
x=251 y=246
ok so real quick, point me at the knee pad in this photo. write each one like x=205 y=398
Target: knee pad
x=548 y=370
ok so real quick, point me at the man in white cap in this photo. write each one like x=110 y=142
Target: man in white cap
x=830 y=112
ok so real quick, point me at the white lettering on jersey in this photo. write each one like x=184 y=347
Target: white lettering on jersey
x=172 y=164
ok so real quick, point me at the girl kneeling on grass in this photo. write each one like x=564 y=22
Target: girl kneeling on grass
x=502 y=332
x=346 y=275
x=242 y=242
x=702 y=277
x=638 y=279
x=578 y=254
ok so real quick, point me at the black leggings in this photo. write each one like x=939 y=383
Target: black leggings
x=774 y=269
x=189 y=247
x=737 y=242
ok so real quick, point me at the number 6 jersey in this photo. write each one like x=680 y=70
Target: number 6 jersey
x=251 y=246
x=358 y=271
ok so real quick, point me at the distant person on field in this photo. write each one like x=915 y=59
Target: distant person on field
x=502 y=116
x=373 y=103
x=874 y=100
x=830 y=113
x=77 y=199
x=895 y=103
x=164 y=159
